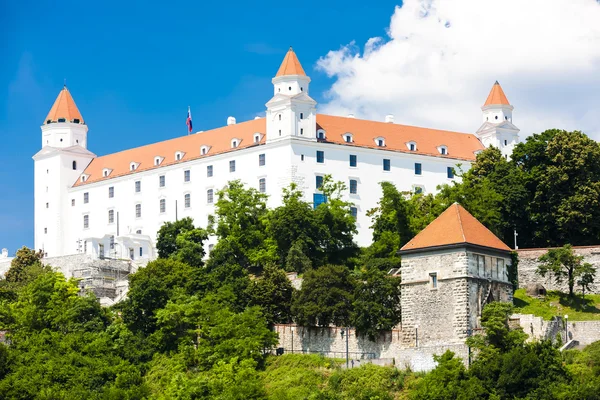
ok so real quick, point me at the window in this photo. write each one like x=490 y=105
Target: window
x=186 y=175
x=256 y=138
x=138 y=211
x=141 y=251
x=138 y=186
x=450 y=172
x=112 y=242
x=386 y=164
x=352 y=160
x=280 y=117
x=86 y=221
x=74 y=164
x=505 y=142
x=321 y=135
x=301 y=157
x=353 y=186
x=131 y=253
x=161 y=181
x=85 y=246
x=443 y=150
x=301 y=115
x=203 y=150
x=209 y=171
x=262 y=185
x=418 y=189
x=319 y=182
x=318 y=199
x=232 y=166
x=499 y=268
x=47 y=205
x=162 y=206
x=480 y=264
x=133 y=166
x=139 y=232
x=354 y=212
x=72 y=202
x=417 y=168
x=111 y=192
x=261 y=160
x=380 y=142
x=209 y=196
x=101 y=251
x=157 y=160
x=301 y=131
x=234 y=144
x=320 y=156
x=86 y=198
x=433 y=280
x=412 y=146
x=45 y=230
x=187 y=200
x=178 y=156
x=111 y=216
x=348 y=138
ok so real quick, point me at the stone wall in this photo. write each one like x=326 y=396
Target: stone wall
x=387 y=349
x=584 y=332
x=528 y=263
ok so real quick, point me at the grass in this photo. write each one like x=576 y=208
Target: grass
x=558 y=304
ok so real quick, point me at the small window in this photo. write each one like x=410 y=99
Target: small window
x=261 y=160
x=418 y=189
x=301 y=131
x=187 y=200
x=380 y=142
x=280 y=117
x=256 y=138
x=321 y=134
x=204 y=150
x=320 y=156
x=319 y=182
x=433 y=280
x=105 y=173
x=232 y=166
x=209 y=171
x=280 y=132
x=141 y=251
x=162 y=205
x=234 y=144
x=386 y=164
x=62 y=120
x=178 y=155
x=111 y=192
x=138 y=232
x=85 y=246
x=209 y=196
x=443 y=150
x=47 y=205
x=450 y=172
x=131 y=253
x=186 y=175
x=500 y=268
x=138 y=186
x=353 y=186
x=45 y=230
x=161 y=181
x=133 y=166
x=86 y=221
x=353 y=160
x=72 y=202
x=417 y=168
x=111 y=216
x=301 y=115
x=505 y=142
x=138 y=211
x=354 y=212
x=74 y=164
x=157 y=161
x=86 y=198
x=348 y=138
x=496 y=117
x=262 y=185
x=301 y=157
x=112 y=242
x=412 y=146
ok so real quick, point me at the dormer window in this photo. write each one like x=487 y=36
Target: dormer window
x=133 y=166
x=443 y=150
x=412 y=146
x=204 y=150
x=62 y=120
x=158 y=160
x=348 y=138
x=257 y=137
x=321 y=134
x=106 y=172
x=380 y=142
x=235 y=143
x=301 y=115
x=84 y=177
x=179 y=155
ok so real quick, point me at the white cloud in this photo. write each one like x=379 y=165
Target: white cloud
x=441 y=57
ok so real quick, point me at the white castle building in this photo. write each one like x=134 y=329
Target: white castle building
x=113 y=205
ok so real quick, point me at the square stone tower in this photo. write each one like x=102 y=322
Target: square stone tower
x=450 y=270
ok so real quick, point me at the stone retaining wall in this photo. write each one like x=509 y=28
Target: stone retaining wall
x=585 y=332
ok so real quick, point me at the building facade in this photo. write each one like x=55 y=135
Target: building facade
x=113 y=205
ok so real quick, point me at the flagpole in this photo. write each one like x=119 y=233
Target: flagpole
x=189 y=116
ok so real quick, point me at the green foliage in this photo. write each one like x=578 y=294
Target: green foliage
x=325 y=298
x=190 y=247
x=273 y=293
x=563 y=263
x=365 y=383
x=296 y=259
x=558 y=304
x=166 y=241
x=296 y=376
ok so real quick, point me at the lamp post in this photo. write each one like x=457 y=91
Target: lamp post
x=346 y=330
x=566 y=328
x=293 y=329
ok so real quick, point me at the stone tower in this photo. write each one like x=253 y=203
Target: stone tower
x=498 y=129
x=57 y=166
x=450 y=270
x=291 y=113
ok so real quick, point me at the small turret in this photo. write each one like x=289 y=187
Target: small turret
x=64 y=126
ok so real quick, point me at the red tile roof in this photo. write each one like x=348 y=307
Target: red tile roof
x=496 y=96
x=64 y=107
x=290 y=65
x=460 y=146
x=455 y=226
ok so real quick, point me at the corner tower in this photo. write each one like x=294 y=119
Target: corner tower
x=57 y=166
x=498 y=129
x=291 y=113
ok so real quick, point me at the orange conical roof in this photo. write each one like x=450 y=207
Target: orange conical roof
x=496 y=96
x=290 y=65
x=64 y=107
x=455 y=226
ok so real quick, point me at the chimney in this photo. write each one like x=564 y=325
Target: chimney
x=257 y=117
x=4 y=253
x=389 y=118
x=350 y=115
x=230 y=120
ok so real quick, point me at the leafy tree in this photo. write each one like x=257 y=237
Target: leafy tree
x=586 y=276
x=296 y=259
x=25 y=266
x=273 y=293
x=376 y=303
x=190 y=247
x=391 y=217
x=166 y=242
x=564 y=263
x=325 y=298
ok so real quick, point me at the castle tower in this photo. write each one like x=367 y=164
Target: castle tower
x=291 y=113
x=57 y=166
x=498 y=129
x=450 y=270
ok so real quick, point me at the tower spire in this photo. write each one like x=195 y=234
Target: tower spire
x=64 y=109
x=496 y=96
x=290 y=65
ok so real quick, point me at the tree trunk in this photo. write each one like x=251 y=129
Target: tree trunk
x=571 y=282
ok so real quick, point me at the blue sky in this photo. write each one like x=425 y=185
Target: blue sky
x=134 y=67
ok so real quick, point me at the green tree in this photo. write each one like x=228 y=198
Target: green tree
x=376 y=304
x=190 y=247
x=585 y=277
x=272 y=291
x=25 y=266
x=166 y=241
x=325 y=298
x=296 y=259
x=563 y=263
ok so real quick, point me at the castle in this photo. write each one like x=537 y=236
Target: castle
x=112 y=206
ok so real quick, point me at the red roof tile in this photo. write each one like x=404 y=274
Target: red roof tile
x=496 y=96
x=64 y=107
x=290 y=65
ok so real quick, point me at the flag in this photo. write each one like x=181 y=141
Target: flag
x=188 y=121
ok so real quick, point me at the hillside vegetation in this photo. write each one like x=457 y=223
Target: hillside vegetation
x=558 y=304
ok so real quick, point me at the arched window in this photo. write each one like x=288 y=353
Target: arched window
x=280 y=117
x=348 y=138
x=301 y=115
x=321 y=134
x=74 y=164
x=443 y=150
x=412 y=146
